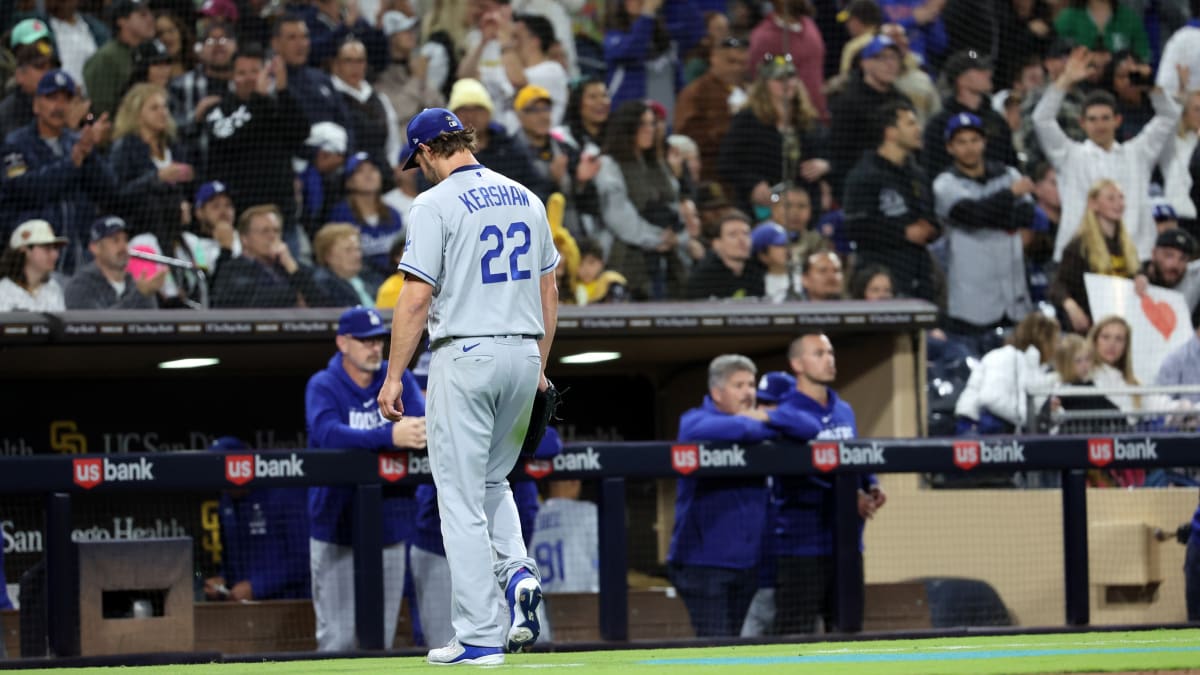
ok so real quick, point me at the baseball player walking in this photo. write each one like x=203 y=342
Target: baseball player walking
x=480 y=266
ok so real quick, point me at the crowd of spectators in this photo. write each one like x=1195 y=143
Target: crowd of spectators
x=983 y=156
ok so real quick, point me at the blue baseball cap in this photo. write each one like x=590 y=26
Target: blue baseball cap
x=877 y=45
x=773 y=386
x=107 y=226
x=767 y=234
x=963 y=120
x=362 y=322
x=228 y=443
x=1164 y=211
x=353 y=162
x=212 y=188
x=423 y=127
x=55 y=81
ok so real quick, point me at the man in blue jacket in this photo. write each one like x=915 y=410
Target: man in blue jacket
x=51 y=172
x=264 y=541
x=806 y=517
x=716 y=542
x=760 y=618
x=341 y=413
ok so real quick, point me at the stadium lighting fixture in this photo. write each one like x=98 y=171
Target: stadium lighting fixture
x=182 y=364
x=589 y=357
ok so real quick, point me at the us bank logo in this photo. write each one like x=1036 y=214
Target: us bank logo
x=394 y=466
x=88 y=473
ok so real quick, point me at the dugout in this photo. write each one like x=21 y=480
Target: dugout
x=102 y=370
x=90 y=382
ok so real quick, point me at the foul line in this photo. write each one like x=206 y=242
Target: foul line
x=877 y=658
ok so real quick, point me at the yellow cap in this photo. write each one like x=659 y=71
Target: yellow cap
x=468 y=92
x=529 y=94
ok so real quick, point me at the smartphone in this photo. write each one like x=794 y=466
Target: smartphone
x=1139 y=79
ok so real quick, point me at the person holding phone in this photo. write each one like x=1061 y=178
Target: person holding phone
x=1103 y=156
x=1130 y=80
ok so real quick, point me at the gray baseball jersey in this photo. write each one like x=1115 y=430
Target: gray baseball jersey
x=483 y=242
x=480 y=216
x=566 y=546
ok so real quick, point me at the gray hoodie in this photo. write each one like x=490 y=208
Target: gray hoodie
x=90 y=289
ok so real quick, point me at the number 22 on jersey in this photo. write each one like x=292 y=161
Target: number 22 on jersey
x=516 y=241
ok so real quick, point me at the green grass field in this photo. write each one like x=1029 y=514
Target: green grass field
x=1156 y=650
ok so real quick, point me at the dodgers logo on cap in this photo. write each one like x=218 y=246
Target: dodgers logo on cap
x=962 y=121
x=424 y=126
x=361 y=322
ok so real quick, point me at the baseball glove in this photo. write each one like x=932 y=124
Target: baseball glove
x=545 y=409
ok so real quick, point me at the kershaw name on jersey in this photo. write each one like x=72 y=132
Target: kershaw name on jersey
x=488 y=196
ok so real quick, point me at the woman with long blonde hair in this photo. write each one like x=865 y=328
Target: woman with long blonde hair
x=772 y=139
x=1111 y=340
x=147 y=164
x=1101 y=246
x=1112 y=366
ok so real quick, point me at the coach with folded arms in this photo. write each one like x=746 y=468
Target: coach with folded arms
x=717 y=540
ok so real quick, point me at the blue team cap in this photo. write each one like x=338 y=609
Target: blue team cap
x=212 y=188
x=1164 y=211
x=107 y=226
x=54 y=82
x=550 y=446
x=876 y=46
x=353 y=163
x=362 y=322
x=767 y=234
x=962 y=121
x=773 y=386
x=424 y=126
x=228 y=443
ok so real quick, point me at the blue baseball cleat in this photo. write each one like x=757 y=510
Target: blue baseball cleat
x=458 y=654
x=524 y=594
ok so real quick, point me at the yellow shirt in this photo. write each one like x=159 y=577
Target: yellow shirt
x=389 y=291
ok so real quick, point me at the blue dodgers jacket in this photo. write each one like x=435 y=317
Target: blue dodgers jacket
x=716 y=519
x=805 y=518
x=342 y=415
x=428 y=535
x=264 y=537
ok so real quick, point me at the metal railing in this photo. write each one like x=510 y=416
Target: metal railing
x=1156 y=408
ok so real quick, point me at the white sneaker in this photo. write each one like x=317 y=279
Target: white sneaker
x=456 y=653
